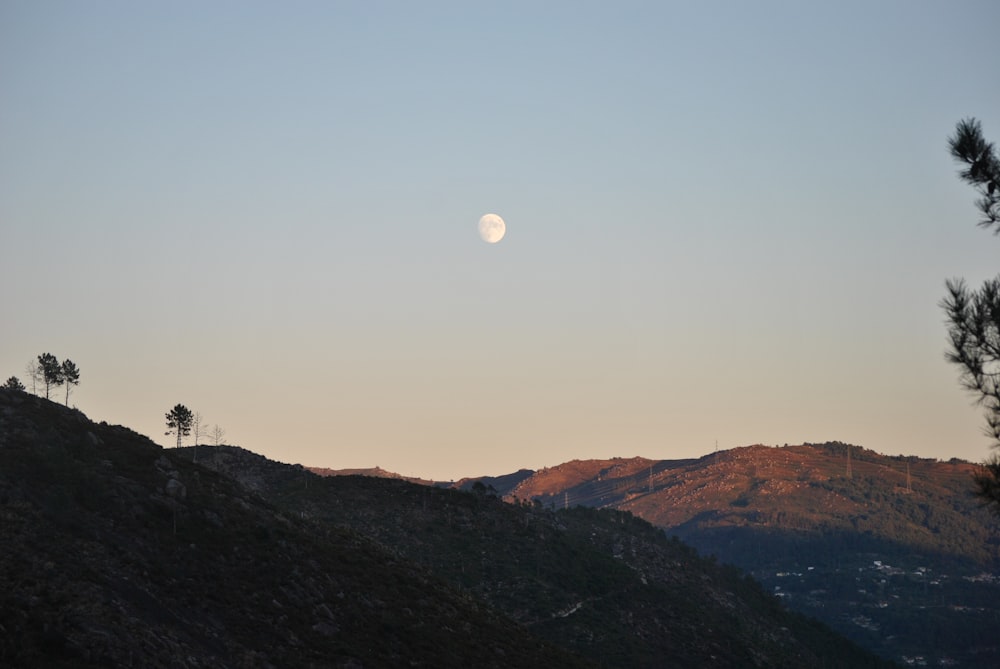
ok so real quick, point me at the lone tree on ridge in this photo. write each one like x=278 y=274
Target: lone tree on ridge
x=973 y=316
x=179 y=421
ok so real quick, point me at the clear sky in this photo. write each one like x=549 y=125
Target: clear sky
x=727 y=222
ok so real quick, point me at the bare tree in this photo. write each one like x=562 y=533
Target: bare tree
x=218 y=436
x=34 y=373
x=197 y=426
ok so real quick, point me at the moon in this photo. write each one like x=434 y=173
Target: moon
x=492 y=228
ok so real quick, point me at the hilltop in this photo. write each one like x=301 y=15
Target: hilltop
x=117 y=552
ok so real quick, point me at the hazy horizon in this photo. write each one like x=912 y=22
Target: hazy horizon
x=725 y=223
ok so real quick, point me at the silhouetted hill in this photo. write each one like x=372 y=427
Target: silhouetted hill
x=116 y=553
x=602 y=583
x=500 y=485
x=376 y=472
x=895 y=552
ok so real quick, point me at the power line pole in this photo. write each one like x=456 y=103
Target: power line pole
x=849 y=461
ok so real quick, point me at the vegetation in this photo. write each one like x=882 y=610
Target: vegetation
x=982 y=171
x=51 y=372
x=13 y=383
x=70 y=375
x=48 y=372
x=34 y=375
x=179 y=421
x=974 y=316
x=218 y=435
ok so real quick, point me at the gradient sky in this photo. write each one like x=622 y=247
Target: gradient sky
x=727 y=222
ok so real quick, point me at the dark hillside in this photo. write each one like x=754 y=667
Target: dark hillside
x=605 y=584
x=116 y=553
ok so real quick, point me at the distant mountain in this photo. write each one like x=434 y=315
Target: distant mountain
x=500 y=485
x=376 y=472
x=118 y=553
x=894 y=552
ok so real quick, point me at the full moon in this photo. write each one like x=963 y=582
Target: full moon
x=492 y=228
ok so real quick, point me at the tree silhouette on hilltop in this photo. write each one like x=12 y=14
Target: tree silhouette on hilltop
x=179 y=420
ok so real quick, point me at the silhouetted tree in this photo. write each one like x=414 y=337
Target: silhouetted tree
x=13 y=383
x=218 y=435
x=34 y=373
x=974 y=316
x=51 y=371
x=179 y=421
x=70 y=376
x=197 y=426
x=968 y=146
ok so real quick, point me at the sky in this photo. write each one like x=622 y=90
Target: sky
x=728 y=223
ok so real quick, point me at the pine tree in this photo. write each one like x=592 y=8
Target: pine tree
x=13 y=383
x=974 y=316
x=179 y=421
x=51 y=371
x=70 y=376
